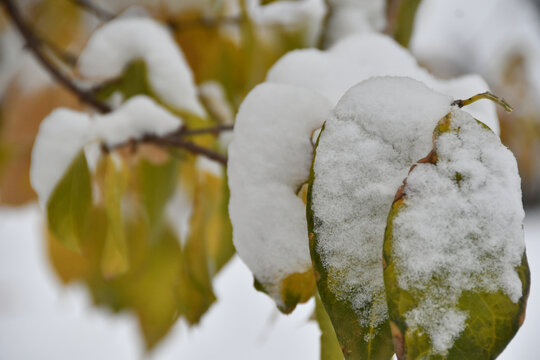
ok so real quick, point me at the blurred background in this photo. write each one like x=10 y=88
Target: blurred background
x=48 y=310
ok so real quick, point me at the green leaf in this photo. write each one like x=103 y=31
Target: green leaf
x=157 y=183
x=115 y=257
x=213 y=195
x=70 y=204
x=490 y=317
x=371 y=342
x=133 y=82
x=330 y=349
x=76 y=266
x=197 y=261
x=152 y=290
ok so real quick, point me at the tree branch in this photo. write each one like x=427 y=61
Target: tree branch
x=215 y=130
x=186 y=145
x=174 y=141
x=34 y=44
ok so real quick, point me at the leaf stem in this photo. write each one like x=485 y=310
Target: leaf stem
x=485 y=95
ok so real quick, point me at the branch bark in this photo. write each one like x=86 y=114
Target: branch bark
x=34 y=44
x=174 y=141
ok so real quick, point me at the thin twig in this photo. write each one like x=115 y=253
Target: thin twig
x=174 y=142
x=34 y=45
x=65 y=56
x=92 y=8
x=215 y=130
x=189 y=146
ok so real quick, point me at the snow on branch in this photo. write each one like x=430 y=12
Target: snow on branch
x=121 y=41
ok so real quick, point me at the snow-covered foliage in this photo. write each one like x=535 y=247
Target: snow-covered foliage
x=462 y=224
x=119 y=42
x=374 y=135
x=359 y=57
x=269 y=160
x=328 y=191
x=64 y=133
x=300 y=74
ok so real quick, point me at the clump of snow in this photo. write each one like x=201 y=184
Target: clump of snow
x=123 y=40
x=61 y=136
x=138 y=116
x=465 y=231
x=360 y=57
x=64 y=133
x=376 y=132
x=269 y=160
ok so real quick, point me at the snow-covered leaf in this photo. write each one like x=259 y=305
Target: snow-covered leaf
x=266 y=171
x=269 y=160
x=456 y=273
x=123 y=40
x=365 y=150
x=64 y=133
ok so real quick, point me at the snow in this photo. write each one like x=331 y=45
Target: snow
x=61 y=137
x=42 y=319
x=271 y=132
x=360 y=57
x=138 y=116
x=348 y=17
x=64 y=133
x=474 y=237
x=376 y=132
x=121 y=41
x=269 y=160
